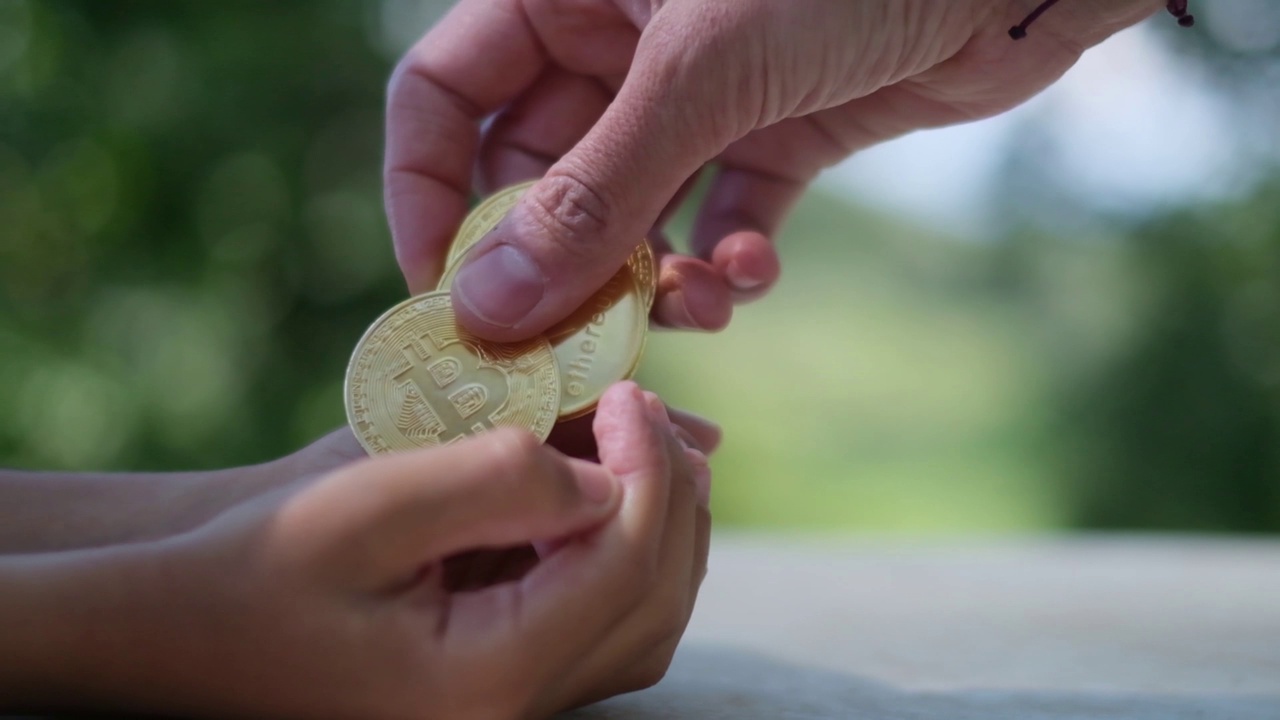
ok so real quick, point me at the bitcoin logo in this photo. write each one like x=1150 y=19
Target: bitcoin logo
x=441 y=404
x=417 y=379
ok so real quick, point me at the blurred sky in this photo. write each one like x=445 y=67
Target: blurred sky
x=1107 y=118
x=1132 y=126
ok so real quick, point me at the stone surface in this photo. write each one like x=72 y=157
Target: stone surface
x=1124 y=628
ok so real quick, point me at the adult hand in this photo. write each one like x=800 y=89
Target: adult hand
x=617 y=104
x=332 y=598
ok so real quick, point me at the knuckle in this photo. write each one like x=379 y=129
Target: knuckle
x=395 y=83
x=405 y=81
x=573 y=215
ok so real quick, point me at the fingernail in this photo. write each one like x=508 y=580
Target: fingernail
x=701 y=475
x=673 y=311
x=740 y=280
x=657 y=410
x=597 y=488
x=685 y=437
x=703 y=424
x=696 y=295
x=501 y=286
x=545 y=548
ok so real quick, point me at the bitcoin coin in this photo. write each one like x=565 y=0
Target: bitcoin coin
x=484 y=218
x=418 y=379
x=599 y=344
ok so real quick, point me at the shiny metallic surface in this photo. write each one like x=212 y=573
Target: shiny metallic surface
x=599 y=344
x=644 y=265
x=418 y=379
x=482 y=219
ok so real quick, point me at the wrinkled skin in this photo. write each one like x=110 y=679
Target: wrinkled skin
x=620 y=103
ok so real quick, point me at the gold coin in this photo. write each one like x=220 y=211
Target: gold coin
x=486 y=216
x=483 y=218
x=645 y=267
x=599 y=344
x=418 y=379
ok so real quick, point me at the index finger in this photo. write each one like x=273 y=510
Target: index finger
x=478 y=58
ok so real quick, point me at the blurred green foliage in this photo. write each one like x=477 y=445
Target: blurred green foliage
x=192 y=228
x=192 y=240
x=1181 y=426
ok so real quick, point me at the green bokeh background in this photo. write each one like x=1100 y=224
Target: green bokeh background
x=192 y=240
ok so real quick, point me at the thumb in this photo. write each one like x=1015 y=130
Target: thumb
x=576 y=227
x=376 y=523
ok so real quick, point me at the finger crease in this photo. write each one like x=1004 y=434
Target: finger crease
x=455 y=185
x=841 y=146
x=530 y=152
x=455 y=97
x=442 y=619
x=608 y=92
x=765 y=175
x=544 y=52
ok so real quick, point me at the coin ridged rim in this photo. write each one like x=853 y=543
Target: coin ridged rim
x=541 y=432
x=644 y=265
x=479 y=214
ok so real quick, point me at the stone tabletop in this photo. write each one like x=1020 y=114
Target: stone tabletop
x=1119 y=627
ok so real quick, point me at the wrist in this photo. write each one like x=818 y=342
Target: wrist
x=81 y=627
x=59 y=512
x=334 y=450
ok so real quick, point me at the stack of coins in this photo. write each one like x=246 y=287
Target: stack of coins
x=419 y=379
